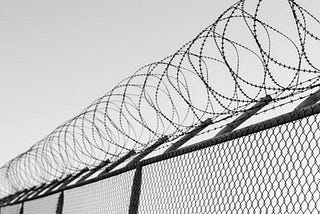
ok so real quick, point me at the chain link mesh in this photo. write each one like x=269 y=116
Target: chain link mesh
x=11 y=209
x=111 y=195
x=272 y=171
x=275 y=170
x=46 y=205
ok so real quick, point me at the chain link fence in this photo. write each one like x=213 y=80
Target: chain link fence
x=270 y=167
x=110 y=195
x=42 y=205
x=272 y=171
x=11 y=209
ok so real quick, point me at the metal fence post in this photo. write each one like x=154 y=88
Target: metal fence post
x=60 y=203
x=21 y=208
x=135 y=191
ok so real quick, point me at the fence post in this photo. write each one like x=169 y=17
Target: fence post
x=60 y=203
x=21 y=208
x=135 y=191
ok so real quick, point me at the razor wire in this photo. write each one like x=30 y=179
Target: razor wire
x=225 y=69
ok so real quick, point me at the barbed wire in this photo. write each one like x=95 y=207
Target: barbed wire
x=229 y=66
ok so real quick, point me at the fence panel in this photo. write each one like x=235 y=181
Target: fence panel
x=111 y=195
x=272 y=171
x=46 y=205
x=11 y=209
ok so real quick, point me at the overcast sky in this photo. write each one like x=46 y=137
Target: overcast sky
x=56 y=57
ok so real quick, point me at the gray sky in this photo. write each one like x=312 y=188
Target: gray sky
x=56 y=57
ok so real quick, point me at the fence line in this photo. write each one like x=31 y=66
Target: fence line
x=227 y=68
x=97 y=162
x=276 y=161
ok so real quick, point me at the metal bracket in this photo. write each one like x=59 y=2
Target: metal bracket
x=97 y=168
x=189 y=135
x=116 y=163
x=20 y=195
x=73 y=177
x=312 y=99
x=12 y=197
x=246 y=115
x=147 y=151
x=27 y=193
x=36 y=190
x=57 y=184
x=45 y=187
